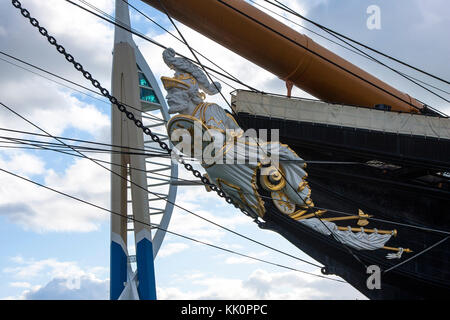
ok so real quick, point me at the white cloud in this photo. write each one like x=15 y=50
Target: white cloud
x=20 y=284
x=262 y=285
x=41 y=210
x=45 y=103
x=49 y=107
x=208 y=206
x=23 y=163
x=62 y=280
x=244 y=260
x=239 y=67
x=169 y=249
x=60 y=289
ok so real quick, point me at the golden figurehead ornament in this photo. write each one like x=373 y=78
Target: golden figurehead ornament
x=181 y=81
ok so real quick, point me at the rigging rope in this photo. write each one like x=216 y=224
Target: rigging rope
x=332 y=233
x=131 y=116
x=113 y=100
x=166 y=230
x=364 y=55
x=144 y=37
x=287 y=9
x=196 y=51
x=69 y=81
x=137 y=122
x=157 y=195
x=317 y=54
x=422 y=228
x=416 y=255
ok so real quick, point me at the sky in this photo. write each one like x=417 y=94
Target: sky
x=53 y=247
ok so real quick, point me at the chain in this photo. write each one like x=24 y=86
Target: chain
x=35 y=23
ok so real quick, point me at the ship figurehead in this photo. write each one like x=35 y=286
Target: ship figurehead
x=260 y=176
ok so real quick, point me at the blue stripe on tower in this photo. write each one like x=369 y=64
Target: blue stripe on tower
x=118 y=270
x=146 y=269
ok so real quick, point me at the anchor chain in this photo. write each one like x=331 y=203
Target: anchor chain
x=121 y=107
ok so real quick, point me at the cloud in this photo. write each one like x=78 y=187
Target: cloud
x=239 y=67
x=262 y=285
x=57 y=110
x=49 y=105
x=23 y=163
x=20 y=284
x=60 y=289
x=63 y=280
x=88 y=38
x=169 y=249
x=44 y=210
x=242 y=260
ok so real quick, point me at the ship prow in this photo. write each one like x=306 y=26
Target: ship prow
x=391 y=165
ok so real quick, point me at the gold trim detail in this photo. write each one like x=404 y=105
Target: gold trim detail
x=275 y=174
x=393 y=232
x=232 y=118
x=280 y=200
x=297 y=214
x=169 y=83
x=261 y=209
x=318 y=213
x=221 y=181
x=397 y=249
x=302 y=186
x=200 y=105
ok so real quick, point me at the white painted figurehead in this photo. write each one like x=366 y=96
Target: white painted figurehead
x=183 y=90
x=284 y=182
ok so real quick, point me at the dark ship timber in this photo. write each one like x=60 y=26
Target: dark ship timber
x=405 y=184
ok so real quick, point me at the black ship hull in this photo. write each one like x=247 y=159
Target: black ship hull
x=407 y=187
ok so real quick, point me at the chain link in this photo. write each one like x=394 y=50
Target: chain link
x=35 y=23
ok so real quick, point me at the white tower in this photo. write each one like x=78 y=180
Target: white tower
x=133 y=84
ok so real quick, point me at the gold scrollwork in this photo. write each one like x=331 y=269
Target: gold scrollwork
x=282 y=203
x=260 y=209
x=274 y=180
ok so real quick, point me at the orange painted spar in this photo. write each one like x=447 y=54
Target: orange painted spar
x=321 y=75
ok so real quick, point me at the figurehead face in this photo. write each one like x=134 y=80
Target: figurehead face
x=183 y=93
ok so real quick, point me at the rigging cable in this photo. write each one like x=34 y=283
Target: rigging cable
x=137 y=122
x=201 y=184
x=151 y=41
x=317 y=54
x=105 y=92
x=170 y=33
x=416 y=255
x=331 y=210
x=359 y=52
x=287 y=9
x=69 y=81
x=332 y=233
x=155 y=194
x=168 y=231
x=371 y=58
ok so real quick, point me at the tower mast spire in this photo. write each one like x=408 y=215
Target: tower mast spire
x=125 y=282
